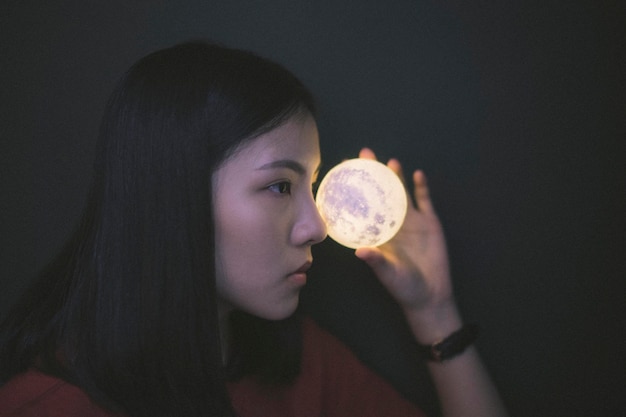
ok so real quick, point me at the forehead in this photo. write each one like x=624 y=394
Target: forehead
x=296 y=139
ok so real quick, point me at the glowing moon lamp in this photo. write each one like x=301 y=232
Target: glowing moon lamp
x=363 y=203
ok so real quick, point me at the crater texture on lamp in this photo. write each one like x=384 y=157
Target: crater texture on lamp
x=363 y=203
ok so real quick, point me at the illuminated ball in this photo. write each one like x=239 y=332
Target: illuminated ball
x=362 y=202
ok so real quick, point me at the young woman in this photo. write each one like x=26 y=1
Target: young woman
x=177 y=294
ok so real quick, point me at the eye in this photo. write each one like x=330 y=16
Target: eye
x=283 y=187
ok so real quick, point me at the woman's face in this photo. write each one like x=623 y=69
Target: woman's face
x=266 y=220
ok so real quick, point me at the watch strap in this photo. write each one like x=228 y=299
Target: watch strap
x=452 y=345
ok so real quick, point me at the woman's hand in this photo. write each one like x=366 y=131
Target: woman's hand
x=414 y=266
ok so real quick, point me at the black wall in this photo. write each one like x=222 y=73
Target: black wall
x=515 y=111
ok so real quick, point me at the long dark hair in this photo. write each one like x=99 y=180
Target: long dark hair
x=128 y=310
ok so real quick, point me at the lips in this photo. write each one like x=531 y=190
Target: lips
x=298 y=277
x=305 y=267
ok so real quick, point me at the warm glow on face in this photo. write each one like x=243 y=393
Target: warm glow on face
x=363 y=203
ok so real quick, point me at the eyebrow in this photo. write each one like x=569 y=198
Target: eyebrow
x=289 y=164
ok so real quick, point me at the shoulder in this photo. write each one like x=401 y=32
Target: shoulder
x=36 y=394
x=317 y=339
x=323 y=352
x=346 y=385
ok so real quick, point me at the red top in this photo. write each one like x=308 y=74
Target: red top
x=332 y=383
x=35 y=394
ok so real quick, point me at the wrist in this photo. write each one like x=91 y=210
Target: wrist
x=454 y=344
x=433 y=324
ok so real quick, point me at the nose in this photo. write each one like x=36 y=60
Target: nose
x=310 y=227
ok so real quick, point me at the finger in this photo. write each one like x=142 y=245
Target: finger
x=396 y=167
x=367 y=153
x=375 y=259
x=421 y=191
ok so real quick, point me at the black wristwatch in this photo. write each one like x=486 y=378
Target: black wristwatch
x=452 y=345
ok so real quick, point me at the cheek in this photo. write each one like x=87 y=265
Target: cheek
x=249 y=248
x=248 y=237
x=245 y=224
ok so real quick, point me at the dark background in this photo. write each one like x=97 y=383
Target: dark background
x=514 y=109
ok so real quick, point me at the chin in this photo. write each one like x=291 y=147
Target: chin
x=279 y=311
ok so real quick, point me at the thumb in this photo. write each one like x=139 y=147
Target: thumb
x=375 y=259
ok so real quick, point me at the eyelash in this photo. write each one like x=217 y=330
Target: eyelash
x=283 y=187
